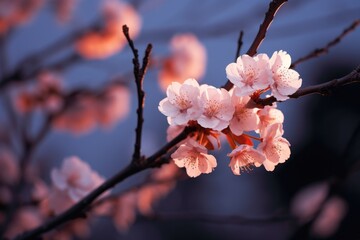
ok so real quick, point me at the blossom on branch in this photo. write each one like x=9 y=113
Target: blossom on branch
x=244 y=157
x=72 y=182
x=216 y=108
x=194 y=158
x=182 y=103
x=285 y=81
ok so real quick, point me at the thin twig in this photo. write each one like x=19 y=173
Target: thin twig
x=274 y=6
x=139 y=73
x=320 y=51
x=239 y=45
x=322 y=89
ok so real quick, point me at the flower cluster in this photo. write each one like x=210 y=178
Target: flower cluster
x=215 y=111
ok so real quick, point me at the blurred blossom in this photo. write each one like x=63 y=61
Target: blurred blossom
x=114 y=105
x=64 y=9
x=25 y=219
x=40 y=190
x=16 y=12
x=125 y=211
x=46 y=94
x=328 y=221
x=5 y=195
x=187 y=60
x=110 y=39
x=9 y=169
x=307 y=201
x=72 y=182
x=164 y=181
x=79 y=117
x=78 y=228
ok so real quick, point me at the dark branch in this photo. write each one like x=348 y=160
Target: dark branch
x=239 y=45
x=322 y=89
x=139 y=74
x=274 y=6
x=320 y=51
x=77 y=209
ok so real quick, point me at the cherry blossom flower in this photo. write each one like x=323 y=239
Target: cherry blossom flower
x=285 y=81
x=269 y=115
x=74 y=180
x=329 y=220
x=78 y=118
x=125 y=211
x=274 y=146
x=9 y=170
x=181 y=104
x=307 y=201
x=244 y=157
x=114 y=106
x=194 y=158
x=216 y=108
x=187 y=60
x=249 y=74
x=110 y=40
x=25 y=219
x=173 y=131
x=64 y=9
x=245 y=118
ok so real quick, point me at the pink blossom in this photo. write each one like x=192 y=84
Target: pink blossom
x=181 y=104
x=194 y=158
x=74 y=180
x=244 y=157
x=330 y=217
x=114 y=106
x=110 y=40
x=25 y=219
x=9 y=170
x=173 y=131
x=249 y=74
x=187 y=60
x=80 y=117
x=285 y=81
x=308 y=200
x=216 y=108
x=125 y=211
x=245 y=118
x=64 y=9
x=269 y=115
x=274 y=146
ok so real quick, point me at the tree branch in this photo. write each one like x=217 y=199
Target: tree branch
x=239 y=45
x=274 y=6
x=139 y=74
x=322 y=88
x=320 y=51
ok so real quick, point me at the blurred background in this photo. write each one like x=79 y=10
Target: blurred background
x=318 y=128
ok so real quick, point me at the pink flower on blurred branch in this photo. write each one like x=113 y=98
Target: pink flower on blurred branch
x=110 y=39
x=244 y=157
x=181 y=104
x=216 y=108
x=114 y=105
x=245 y=117
x=80 y=117
x=194 y=158
x=187 y=60
x=9 y=169
x=125 y=211
x=249 y=74
x=285 y=81
x=73 y=181
x=269 y=115
x=330 y=217
x=274 y=146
